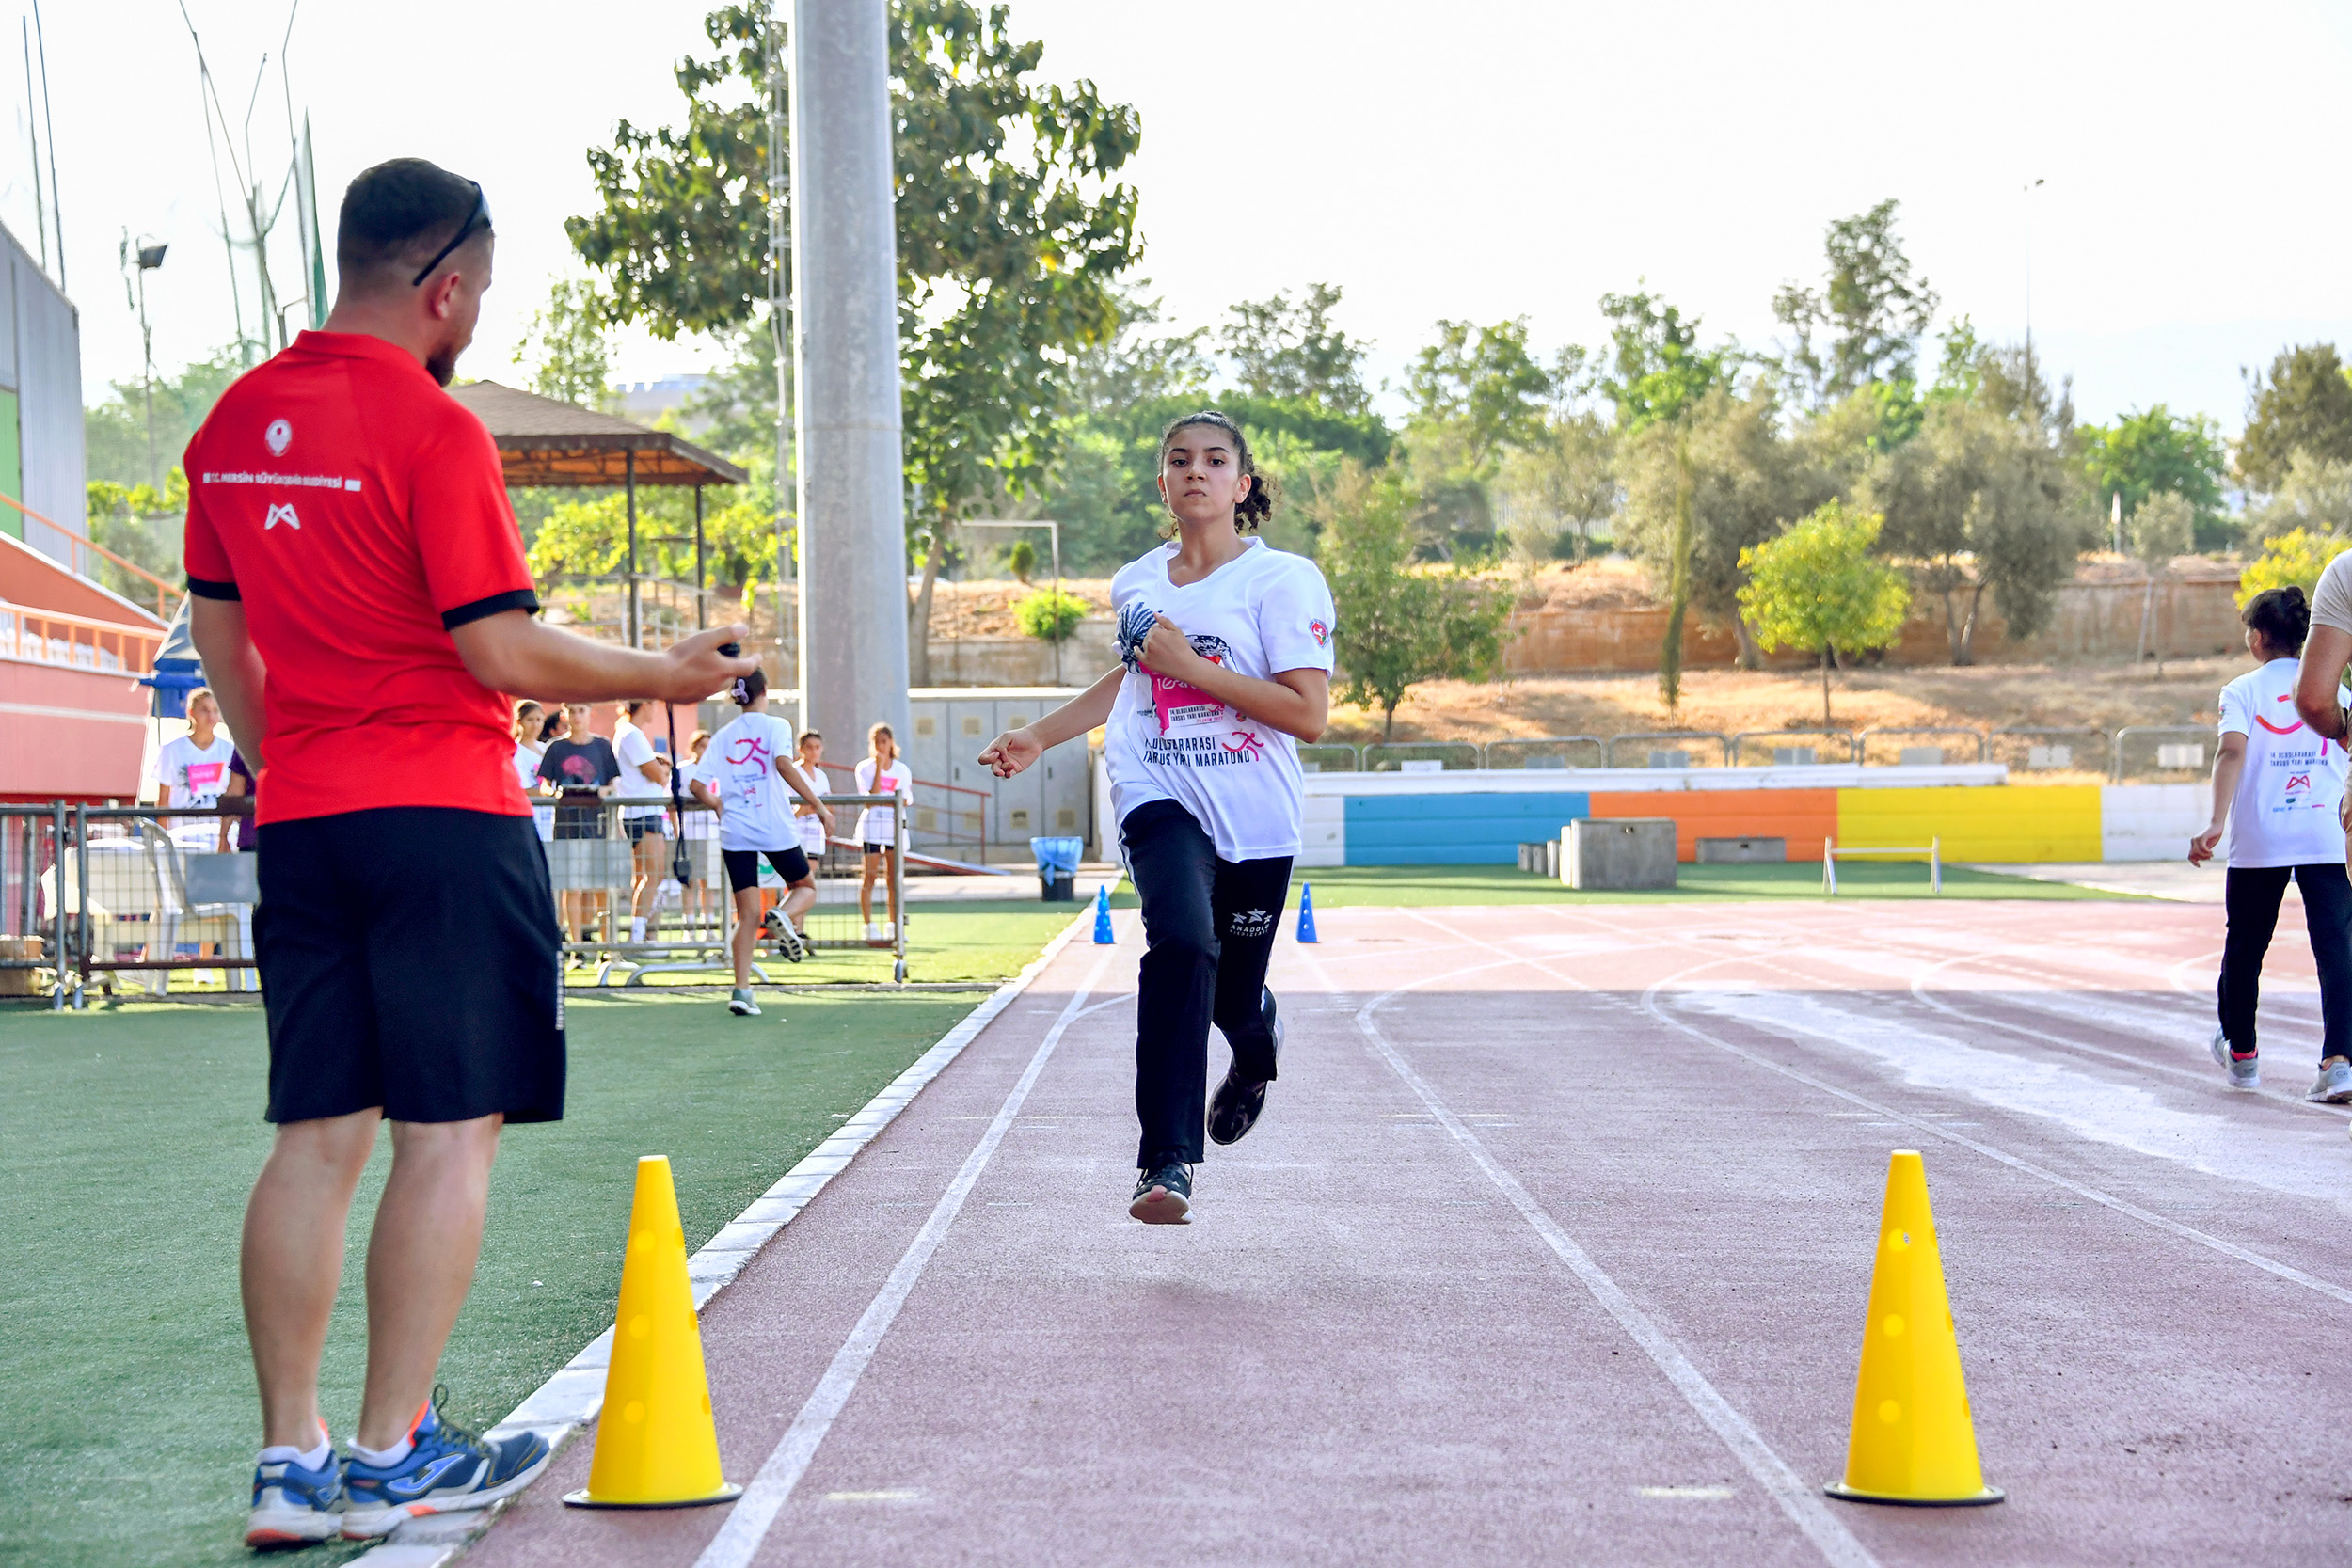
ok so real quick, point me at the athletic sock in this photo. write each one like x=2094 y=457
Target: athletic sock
x=636 y=929
x=282 y=1454
x=384 y=1459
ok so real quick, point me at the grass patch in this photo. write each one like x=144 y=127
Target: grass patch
x=131 y=1133
x=1373 y=886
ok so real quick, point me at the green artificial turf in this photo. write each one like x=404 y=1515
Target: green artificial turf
x=130 y=1135
x=1371 y=886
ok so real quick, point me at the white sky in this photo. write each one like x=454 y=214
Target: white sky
x=1482 y=159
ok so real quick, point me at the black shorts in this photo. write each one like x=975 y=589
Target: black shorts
x=877 y=848
x=579 y=822
x=409 y=960
x=743 y=867
x=639 y=827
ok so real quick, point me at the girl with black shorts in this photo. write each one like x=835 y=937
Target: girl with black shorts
x=750 y=761
x=1226 y=650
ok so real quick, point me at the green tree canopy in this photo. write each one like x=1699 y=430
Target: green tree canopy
x=2315 y=497
x=2152 y=453
x=1870 y=308
x=567 y=348
x=2294 y=560
x=114 y=432
x=2303 y=405
x=1285 y=352
x=1655 y=368
x=1818 y=587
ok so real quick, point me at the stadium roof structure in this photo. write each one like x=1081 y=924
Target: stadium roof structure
x=541 y=441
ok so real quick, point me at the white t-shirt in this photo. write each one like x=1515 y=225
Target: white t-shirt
x=1263 y=612
x=880 y=824
x=527 y=774
x=195 y=775
x=811 y=825
x=2284 y=813
x=635 y=749
x=755 y=804
x=694 y=821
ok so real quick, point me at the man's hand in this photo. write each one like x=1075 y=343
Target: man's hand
x=697 y=668
x=2200 y=848
x=1011 y=751
x=1167 y=650
x=512 y=651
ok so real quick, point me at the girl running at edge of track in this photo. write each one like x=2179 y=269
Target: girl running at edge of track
x=751 y=752
x=1226 y=663
x=2279 y=786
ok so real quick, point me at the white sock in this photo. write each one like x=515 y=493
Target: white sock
x=281 y=1453
x=637 y=928
x=384 y=1458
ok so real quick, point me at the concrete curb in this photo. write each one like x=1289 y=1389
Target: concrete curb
x=559 y=1408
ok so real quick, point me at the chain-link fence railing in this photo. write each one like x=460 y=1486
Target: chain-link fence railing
x=1420 y=756
x=1329 y=756
x=34 y=924
x=1669 y=749
x=2174 y=753
x=1793 y=747
x=1548 y=752
x=1919 y=745
x=2051 y=753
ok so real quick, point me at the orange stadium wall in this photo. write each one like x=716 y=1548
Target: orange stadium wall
x=1802 y=816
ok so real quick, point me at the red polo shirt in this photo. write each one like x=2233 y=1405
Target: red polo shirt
x=360 y=514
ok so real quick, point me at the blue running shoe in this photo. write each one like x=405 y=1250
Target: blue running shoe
x=448 y=1469
x=294 y=1507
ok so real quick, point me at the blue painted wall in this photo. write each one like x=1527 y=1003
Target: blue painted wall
x=1455 y=830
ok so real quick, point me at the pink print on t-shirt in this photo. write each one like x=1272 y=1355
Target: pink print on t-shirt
x=1181 y=701
x=206 y=775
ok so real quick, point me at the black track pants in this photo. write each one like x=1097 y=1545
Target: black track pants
x=1209 y=925
x=2252 y=896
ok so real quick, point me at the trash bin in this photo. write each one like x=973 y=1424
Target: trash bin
x=1057 y=868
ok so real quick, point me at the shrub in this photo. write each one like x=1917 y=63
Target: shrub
x=1049 y=613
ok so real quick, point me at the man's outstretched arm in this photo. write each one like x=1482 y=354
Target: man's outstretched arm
x=511 y=651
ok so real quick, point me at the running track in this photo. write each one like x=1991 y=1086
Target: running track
x=1553 y=1248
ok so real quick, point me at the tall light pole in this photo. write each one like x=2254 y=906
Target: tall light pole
x=845 y=277
x=148 y=256
x=2029 y=392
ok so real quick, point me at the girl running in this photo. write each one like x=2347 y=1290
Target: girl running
x=2277 y=788
x=1226 y=648
x=748 y=756
x=880 y=773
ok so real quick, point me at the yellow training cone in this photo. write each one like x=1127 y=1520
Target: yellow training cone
x=656 y=1446
x=1914 y=1441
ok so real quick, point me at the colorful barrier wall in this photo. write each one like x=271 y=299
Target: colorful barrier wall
x=1480 y=819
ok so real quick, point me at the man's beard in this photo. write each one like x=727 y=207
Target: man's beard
x=441 y=364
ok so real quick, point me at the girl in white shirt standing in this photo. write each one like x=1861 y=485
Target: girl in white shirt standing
x=880 y=773
x=529 y=718
x=1227 y=660
x=2279 y=788
x=750 y=760
x=193 y=769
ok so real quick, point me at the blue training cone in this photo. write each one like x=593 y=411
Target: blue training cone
x=1306 y=913
x=1103 y=934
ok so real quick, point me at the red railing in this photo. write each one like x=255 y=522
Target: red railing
x=161 y=587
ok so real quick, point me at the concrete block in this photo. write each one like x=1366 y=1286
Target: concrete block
x=1619 y=854
x=1742 y=851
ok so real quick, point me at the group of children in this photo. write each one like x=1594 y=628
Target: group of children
x=759 y=784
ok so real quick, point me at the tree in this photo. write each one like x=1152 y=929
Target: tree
x=1482 y=379
x=1564 y=483
x=1741 y=480
x=1011 y=234
x=1980 y=502
x=1817 y=586
x=1020 y=559
x=2291 y=560
x=1870 y=307
x=2157 y=452
x=1280 y=349
x=2314 y=496
x=1400 y=625
x=2163 y=526
x=2305 y=405
x=566 y=345
x=114 y=431
x=1655 y=368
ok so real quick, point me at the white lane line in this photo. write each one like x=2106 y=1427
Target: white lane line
x=749 y=1521
x=1797 y=1499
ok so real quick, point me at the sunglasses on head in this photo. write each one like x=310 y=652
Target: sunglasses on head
x=481 y=215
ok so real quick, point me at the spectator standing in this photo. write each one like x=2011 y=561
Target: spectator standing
x=880 y=773
x=529 y=720
x=358 y=592
x=241 y=835
x=811 y=750
x=581 y=768
x=698 y=898
x=643 y=788
x=193 y=771
x=748 y=763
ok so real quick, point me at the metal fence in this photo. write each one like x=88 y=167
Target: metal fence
x=1659 y=749
x=1884 y=744
x=1329 y=756
x=2175 y=751
x=155 y=902
x=2044 y=749
x=1416 y=756
x=1548 y=752
x=1797 y=748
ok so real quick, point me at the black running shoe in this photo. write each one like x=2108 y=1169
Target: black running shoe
x=1237 y=1104
x=1164 y=1194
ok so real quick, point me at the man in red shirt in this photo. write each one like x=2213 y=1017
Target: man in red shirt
x=361 y=604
